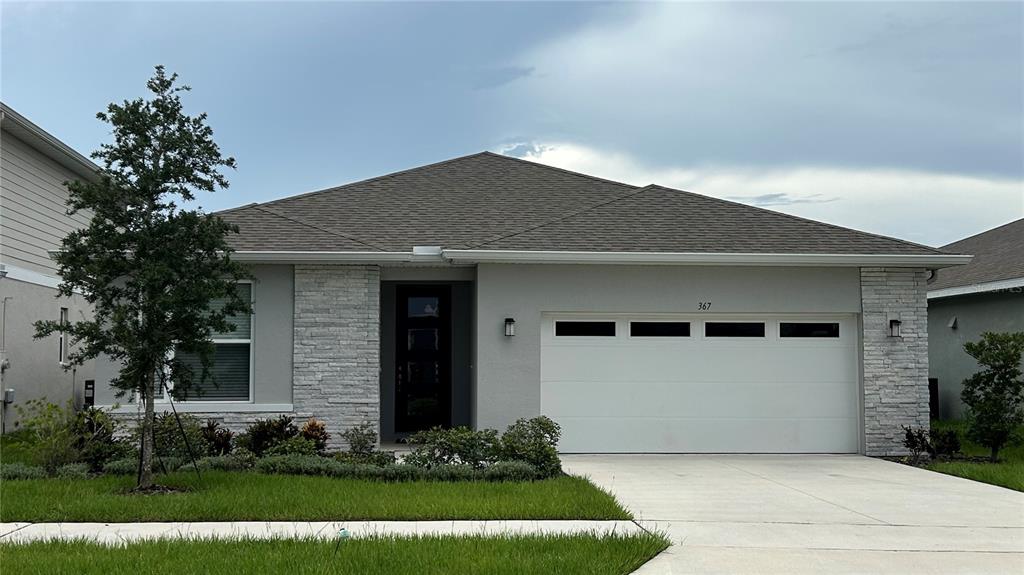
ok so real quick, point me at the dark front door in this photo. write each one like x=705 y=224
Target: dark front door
x=423 y=358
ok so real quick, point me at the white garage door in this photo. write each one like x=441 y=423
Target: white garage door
x=713 y=384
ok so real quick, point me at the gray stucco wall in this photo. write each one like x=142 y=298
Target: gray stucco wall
x=508 y=368
x=34 y=370
x=976 y=313
x=894 y=369
x=273 y=307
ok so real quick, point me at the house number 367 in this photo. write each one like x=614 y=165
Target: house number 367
x=703 y=305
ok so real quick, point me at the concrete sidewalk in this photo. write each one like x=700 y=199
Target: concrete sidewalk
x=812 y=514
x=115 y=532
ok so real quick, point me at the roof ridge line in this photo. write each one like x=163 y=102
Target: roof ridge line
x=318 y=228
x=373 y=179
x=990 y=230
x=633 y=192
x=563 y=170
x=798 y=218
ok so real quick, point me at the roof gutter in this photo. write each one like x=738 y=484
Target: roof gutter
x=932 y=261
x=46 y=143
x=1015 y=285
x=419 y=254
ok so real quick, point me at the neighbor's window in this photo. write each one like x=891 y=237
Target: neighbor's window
x=733 y=329
x=231 y=359
x=659 y=329
x=804 y=329
x=585 y=328
x=62 y=354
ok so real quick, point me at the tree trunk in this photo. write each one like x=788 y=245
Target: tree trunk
x=146 y=467
x=994 y=455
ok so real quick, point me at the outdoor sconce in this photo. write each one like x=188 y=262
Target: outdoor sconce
x=894 y=327
x=510 y=327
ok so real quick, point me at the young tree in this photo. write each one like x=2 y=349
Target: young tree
x=149 y=266
x=995 y=395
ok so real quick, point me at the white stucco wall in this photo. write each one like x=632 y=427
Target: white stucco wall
x=508 y=368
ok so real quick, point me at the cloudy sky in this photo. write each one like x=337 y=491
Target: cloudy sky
x=903 y=119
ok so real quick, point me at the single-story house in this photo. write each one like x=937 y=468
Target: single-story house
x=966 y=301
x=483 y=289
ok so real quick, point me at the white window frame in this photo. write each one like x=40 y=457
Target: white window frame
x=252 y=362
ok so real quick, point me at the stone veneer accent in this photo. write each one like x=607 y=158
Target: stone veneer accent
x=895 y=368
x=336 y=358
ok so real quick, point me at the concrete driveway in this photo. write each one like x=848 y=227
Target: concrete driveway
x=812 y=514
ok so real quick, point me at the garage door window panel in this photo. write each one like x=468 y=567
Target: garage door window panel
x=733 y=329
x=819 y=330
x=659 y=329
x=585 y=329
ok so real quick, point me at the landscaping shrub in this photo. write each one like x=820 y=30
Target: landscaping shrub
x=315 y=431
x=266 y=433
x=995 y=395
x=49 y=432
x=95 y=438
x=402 y=472
x=455 y=446
x=361 y=439
x=217 y=438
x=168 y=440
x=299 y=465
x=916 y=441
x=73 y=471
x=533 y=441
x=297 y=445
x=225 y=463
x=944 y=442
x=450 y=473
x=510 y=471
x=124 y=466
x=375 y=458
x=10 y=471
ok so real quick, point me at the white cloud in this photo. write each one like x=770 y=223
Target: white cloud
x=924 y=207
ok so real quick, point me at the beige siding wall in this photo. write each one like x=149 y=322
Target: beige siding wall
x=32 y=201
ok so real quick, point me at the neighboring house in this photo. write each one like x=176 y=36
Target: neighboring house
x=33 y=221
x=485 y=288
x=965 y=301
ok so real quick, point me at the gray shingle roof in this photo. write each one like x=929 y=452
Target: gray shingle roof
x=494 y=202
x=998 y=255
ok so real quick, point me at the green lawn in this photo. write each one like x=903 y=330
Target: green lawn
x=1009 y=472
x=13 y=449
x=614 y=554
x=247 y=496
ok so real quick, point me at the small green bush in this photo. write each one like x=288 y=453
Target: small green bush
x=266 y=433
x=402 y=472
x=375 y=458
x=10 y=471
x=169 y=441
x=217 y=438
x=73 y=471
x=297 y=445
x=451 y=473
x=299 y=465
x=533 y=441
x=123 y=466
x=361 y=439
x=944 y=442
x=455 y=446
x=95 y=438
x=49 y=432
x=315 y=431
x=224 y=463
x=510 y=471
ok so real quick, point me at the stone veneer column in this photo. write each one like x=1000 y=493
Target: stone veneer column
x=336 y=359
x=895 y=368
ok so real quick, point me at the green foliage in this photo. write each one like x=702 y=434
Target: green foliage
x=123 y=466
x=451 y=473
x=171 y=442
x=73 y=471
x=510 y=471
x=225 y=463
x=402 y=472
x=217 y=438
x=376 y=458
x=995 y=395
x=95 y=436
x=943 y=442
x=21 y=471
x=533 y=441
x=299 y=465
x=49 y=431
x=263 y=434
x=361 y=439
x=315 y=431
x=297 y=445
x=455 y=446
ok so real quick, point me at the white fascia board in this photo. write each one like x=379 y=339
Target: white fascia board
x=29 y=276
x=327 y=257
x=1012 y=283
x=679 y=258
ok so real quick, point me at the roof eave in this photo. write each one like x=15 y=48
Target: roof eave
x=24 y=129
x=931 y=261
x=986 y=287
x=328 y=257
